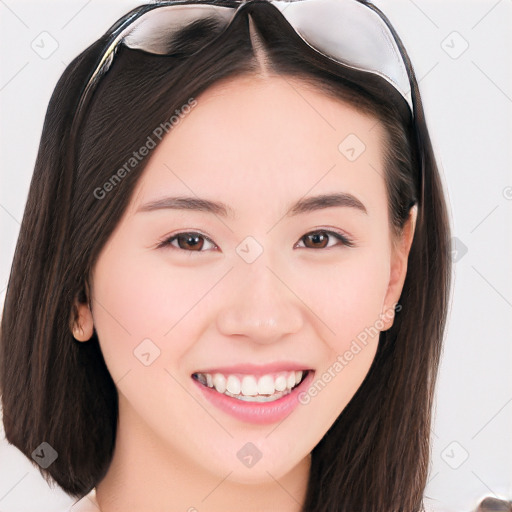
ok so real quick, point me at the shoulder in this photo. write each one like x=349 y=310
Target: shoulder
x=491 y=504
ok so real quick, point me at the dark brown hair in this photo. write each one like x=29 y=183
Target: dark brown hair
x=375 y=457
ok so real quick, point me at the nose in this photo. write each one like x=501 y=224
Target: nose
x=261 y=304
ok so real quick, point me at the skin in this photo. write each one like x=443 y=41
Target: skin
x=298 y=302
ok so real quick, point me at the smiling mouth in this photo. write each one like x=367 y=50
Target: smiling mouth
x=252 y=388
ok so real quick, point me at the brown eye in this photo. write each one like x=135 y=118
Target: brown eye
x=320 y=239
x=191 y=242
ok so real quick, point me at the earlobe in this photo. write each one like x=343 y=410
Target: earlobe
x=81 y=324
x=398 y=271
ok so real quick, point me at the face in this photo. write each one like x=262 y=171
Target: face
x=253 y=296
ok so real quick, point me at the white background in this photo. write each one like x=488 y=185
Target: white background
x=467 y=95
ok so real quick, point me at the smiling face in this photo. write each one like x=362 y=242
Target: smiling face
x=269 y=283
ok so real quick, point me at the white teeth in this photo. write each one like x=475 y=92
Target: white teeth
x=259 y=398
x=266 y=385
x=233 y=385
x=250 y=388
x=280 y=383
x=219 y=381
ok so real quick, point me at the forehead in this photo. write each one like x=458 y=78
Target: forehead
x=273 y=138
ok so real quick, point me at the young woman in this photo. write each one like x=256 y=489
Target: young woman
x=231 y=280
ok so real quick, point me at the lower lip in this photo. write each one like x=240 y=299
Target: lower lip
x=262 y=413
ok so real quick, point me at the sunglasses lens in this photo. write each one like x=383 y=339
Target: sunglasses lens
x=350 y=33
x=346 y=31
x=173 y=29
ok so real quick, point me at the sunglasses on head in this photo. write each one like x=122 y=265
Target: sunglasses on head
x=348 y=32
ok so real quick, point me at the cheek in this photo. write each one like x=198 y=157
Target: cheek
x=348 y=300
x=347 y=295
x=137 y=299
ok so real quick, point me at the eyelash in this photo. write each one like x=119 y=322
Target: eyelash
x=342 y=238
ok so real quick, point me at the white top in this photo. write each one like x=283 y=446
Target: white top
x=87 y=504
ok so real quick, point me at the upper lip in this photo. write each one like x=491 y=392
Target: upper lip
x=254 y=369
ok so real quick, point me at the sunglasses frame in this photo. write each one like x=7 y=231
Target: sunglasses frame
x=119 y=34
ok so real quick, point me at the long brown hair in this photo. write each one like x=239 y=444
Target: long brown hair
x=375 y=457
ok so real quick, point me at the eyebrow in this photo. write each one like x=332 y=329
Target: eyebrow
x=303 y=205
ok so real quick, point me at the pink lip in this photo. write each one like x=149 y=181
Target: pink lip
x=261 y=413
x=254 y=369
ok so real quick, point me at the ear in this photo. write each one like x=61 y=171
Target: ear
x=81 y=322
x=398 y=270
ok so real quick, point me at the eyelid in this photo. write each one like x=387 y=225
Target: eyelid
x=342 y=237
x=168 y=239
